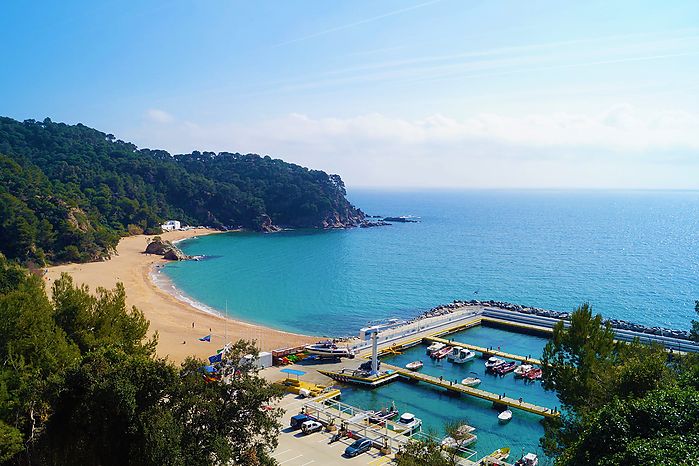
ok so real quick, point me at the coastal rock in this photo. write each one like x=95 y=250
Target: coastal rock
x=166 y=249
x=267 y=226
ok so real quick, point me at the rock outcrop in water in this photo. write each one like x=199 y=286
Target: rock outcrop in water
x=166 y=249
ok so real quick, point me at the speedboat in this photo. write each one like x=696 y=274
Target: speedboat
x=493 y=362
x=442 y=353
x=328 y=349
x=505 y=368
x=534 y=374
x=471 y=381
x=530 y=459
x=434 y=347
x=465 y=355
x=408 y=423
x=522 y=370
x=505 y=416
x=414 y=366
x=454 y=353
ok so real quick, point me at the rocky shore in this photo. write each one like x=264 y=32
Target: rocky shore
x=166 y=249
x=615 y=323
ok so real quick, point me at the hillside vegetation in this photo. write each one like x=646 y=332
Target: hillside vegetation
x=69 y=192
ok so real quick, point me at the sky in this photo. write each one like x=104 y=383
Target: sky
x=388 y=94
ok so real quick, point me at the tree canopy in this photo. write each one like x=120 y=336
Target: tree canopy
x=80 y=384
x=68 y=192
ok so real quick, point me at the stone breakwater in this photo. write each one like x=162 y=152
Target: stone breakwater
x=443 y=309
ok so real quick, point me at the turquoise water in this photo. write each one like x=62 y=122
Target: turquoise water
x=633 y=255
x=435 y=407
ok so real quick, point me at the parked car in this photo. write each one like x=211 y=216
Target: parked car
x=298 y=420
x=309 y=427
x=359 y=446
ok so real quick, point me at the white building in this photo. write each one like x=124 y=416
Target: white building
x=171 y=225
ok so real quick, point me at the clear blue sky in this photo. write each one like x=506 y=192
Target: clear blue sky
x=454 y=93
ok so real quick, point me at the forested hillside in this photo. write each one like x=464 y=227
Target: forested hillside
x=69 y=192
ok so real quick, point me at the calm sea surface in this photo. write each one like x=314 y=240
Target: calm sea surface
x=633 y=255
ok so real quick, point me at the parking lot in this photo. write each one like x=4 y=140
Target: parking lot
x=297 y=449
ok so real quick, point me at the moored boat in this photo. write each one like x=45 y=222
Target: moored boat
x=534 y=374
x=434 y=347
x=407 y=423
x=493 y=362
x=464 y=356
x=505 y=368
x=454 y=353
x=505 y=416
x=414 y=366
x=379 y=417
x=471 y=381
x=522 y=370
x=530 y=459
x=441 y=354
x=328 y=349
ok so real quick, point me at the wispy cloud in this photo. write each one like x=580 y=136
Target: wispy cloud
x=356 y=23
x=159 y=116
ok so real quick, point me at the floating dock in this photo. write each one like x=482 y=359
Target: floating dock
x=485 y=351
x=477 y=392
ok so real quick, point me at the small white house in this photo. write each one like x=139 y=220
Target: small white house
x=171 y=225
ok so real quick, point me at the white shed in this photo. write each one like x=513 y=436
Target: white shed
x=171 y=225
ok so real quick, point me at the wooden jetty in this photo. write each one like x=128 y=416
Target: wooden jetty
x=485 y=351
x=477 y=392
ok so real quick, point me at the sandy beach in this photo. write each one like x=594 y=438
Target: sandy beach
x=171 y=317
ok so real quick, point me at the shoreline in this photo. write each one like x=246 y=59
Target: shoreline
x=179 y=323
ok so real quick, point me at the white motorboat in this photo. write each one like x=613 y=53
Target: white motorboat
x=493 y=362
x=465 y=439
x=522 y=370
x=505 y=416
x=414 y=366
x=454 y=353
x=408 y=423
x=328 y=349
x=465 y=355
x=530 y=459
x=434 y=347
x=471 y=381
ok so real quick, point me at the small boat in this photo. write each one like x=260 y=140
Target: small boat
x=505 y=368
x=464 y=356
x=505 y=416
x=534 y=374
x=328 y=349
x=379 y=417
x=414 y=366
x=441 y=354
x=471 y=381
x=407 y=423
x=522 y=370
x=454 y=353
x=465 y=439
x=434 y=347
x=530 y=459
x=500 y=454
x=493 y=362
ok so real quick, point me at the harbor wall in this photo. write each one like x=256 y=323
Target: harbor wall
x=418 y=327
x=675 y=344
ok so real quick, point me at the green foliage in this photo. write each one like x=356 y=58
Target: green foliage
x=425 y=452
x=694 y=331
x=67 y=193
x=624 y=403
x=661 y=428
x=80 y=384
x=574 y=356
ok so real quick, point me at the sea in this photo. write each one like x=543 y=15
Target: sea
x=632 y=255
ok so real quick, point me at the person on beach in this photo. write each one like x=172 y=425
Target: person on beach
x=192 y=324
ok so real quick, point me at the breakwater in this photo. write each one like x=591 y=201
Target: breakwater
x=617 y=324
